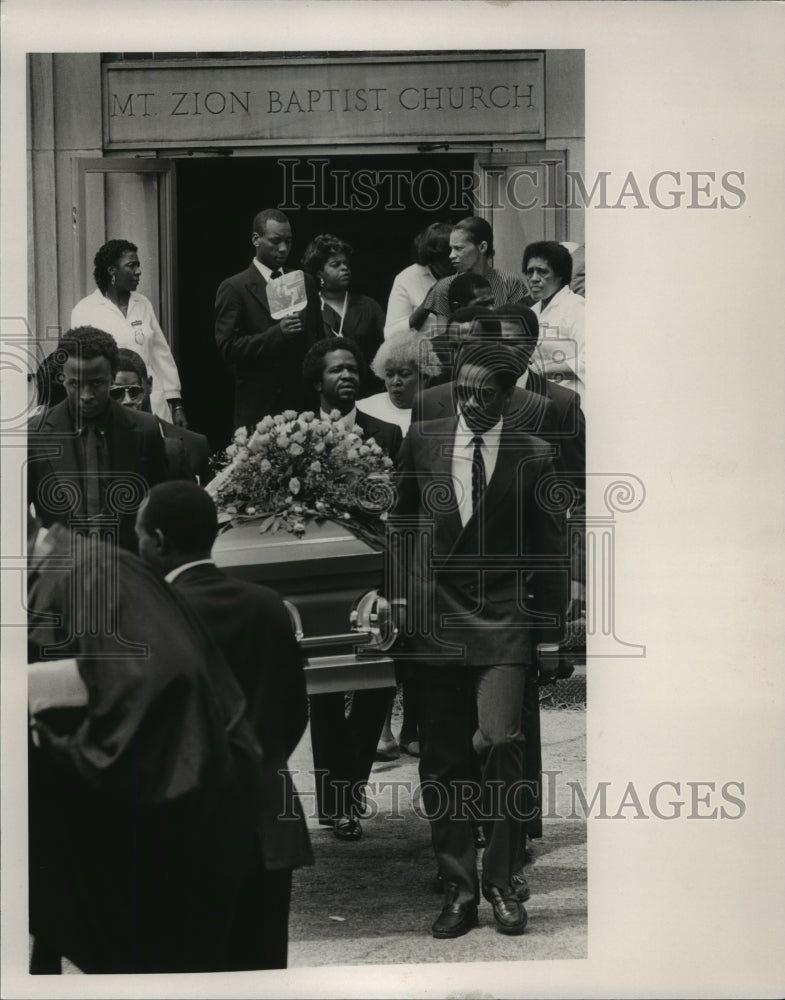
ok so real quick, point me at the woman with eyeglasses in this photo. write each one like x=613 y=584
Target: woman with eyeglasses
x=117 y=308
x=187 y=453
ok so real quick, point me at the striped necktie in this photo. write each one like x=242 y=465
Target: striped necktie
x=478 y=471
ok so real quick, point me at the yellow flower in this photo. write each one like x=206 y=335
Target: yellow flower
x=264 y=465
x=289 y=414
x=318 y=448
x=307 y=417
x=278 y=419
x=315 y=466
x=295 y=449
x=294 y=485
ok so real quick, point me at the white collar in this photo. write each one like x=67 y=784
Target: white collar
x=265 y=271
x=557 y=297
x=174 y=573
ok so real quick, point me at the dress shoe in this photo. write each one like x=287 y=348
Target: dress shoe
x=508 y=911
x=347 y=828
x=521 y=885
x=456 y=918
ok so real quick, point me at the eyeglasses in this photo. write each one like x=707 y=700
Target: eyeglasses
x=119 y=392
x=483 y=394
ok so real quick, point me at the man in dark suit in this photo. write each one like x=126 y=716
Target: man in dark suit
x=265 y=355
x=469 y=489
x=344 y=746
x=552 y=412
x=538 y=405
x=141 y=768
x=187 y=453
x=177 y=526
x=89 y=457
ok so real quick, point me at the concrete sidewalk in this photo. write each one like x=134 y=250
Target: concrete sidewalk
x=370 y=901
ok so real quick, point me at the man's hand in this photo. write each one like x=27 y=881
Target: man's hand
x=292 y=324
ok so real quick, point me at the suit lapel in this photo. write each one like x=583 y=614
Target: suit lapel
x=257 y=286
x=441 y=440
x=126 y=448
x=59 y=425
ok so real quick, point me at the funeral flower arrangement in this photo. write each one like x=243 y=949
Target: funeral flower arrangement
x=295 y=466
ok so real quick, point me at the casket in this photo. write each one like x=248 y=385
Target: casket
x=329 y=580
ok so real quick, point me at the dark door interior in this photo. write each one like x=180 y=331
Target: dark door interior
x=217 y=199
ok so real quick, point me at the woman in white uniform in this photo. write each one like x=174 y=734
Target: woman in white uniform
x=117 y=308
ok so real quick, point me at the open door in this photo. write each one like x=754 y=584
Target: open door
x=523 y=196
x=130 y=199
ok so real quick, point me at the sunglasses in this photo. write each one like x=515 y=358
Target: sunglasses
x=119 y=392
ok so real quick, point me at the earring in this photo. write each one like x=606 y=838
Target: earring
x=114 y=279
x=321 y=282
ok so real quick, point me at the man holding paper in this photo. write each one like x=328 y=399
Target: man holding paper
x=263 y=346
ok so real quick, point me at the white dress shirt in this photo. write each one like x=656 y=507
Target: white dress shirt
x=265 y=271
x=462 y=457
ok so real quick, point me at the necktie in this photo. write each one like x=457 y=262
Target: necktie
x=478 y=471
x=92 y=471
x=276 y=274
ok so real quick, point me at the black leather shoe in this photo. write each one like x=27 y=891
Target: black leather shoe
x=521 y=885
x=456 y=918
x=347 y=828
x=508 y=911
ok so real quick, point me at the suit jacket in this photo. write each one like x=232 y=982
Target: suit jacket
x=266 y=364
x=387 y=435
x=251 y=627
x=468 y=599
x=570 y=427
x=549 y=411
x=55 y=479
x=187 y=452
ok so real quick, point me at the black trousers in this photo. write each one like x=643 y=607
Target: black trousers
x=466 y=714
x=344 y=747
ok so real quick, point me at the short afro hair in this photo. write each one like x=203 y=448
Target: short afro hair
x=85 y=342
x=464 y=287
x=130 y=361
x=184 y=513
x=313 y=362
x=107 y=257
x=558 y=257
x=261 y=219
